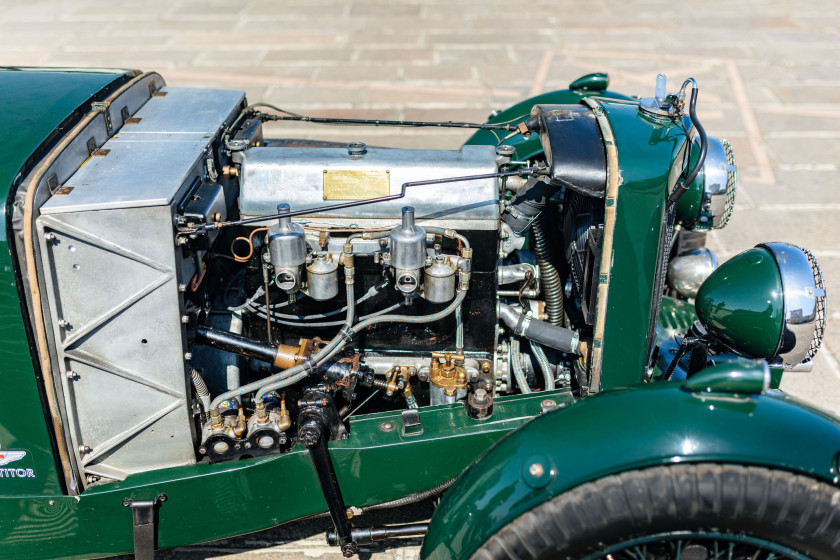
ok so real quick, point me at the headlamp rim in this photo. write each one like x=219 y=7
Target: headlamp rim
x=803 y=297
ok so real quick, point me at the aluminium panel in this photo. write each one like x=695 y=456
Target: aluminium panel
x=133 y=174
x=188 y=111
x=112 y=284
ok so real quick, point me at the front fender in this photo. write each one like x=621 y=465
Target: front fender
x=621 y=430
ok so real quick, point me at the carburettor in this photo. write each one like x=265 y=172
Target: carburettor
x=286 y=250
x=408 y=252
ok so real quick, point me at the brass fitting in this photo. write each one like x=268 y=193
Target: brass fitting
x=262 y=414
x=216 y=419
x=230 y=171
x=347 y=260
x=289 y=356
x=450 y=375
x=407 y=372
x=285 y=421
x=241 y=424
x=463 y=280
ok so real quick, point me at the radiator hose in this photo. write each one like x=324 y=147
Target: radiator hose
x=527 y=204
x=541 y=332
x=552 y=286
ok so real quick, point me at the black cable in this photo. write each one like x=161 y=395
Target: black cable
x=682 y=186
x=250 y=109
x=667 y=235
x=378 y=122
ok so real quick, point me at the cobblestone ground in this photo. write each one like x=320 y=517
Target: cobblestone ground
x=769 y=72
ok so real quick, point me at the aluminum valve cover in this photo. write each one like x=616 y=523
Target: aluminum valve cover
x=311 y=177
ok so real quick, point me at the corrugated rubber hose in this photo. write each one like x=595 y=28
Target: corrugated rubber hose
x=552 y=286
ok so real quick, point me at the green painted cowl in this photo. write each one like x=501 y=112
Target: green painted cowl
x=767 y=302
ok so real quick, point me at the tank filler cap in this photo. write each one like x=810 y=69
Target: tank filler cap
x=356 y=150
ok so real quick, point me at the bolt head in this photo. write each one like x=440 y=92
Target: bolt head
x=536 y=470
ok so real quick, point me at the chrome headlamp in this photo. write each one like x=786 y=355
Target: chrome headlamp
x=709 y=202
x=767 y=302
x=686 y=273
x=804 y=303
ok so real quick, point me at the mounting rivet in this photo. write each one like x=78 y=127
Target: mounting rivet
x=387 y=426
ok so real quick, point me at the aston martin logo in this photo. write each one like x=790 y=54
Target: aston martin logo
x=7 y=457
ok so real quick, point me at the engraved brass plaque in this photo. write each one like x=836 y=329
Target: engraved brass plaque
x=356 y=185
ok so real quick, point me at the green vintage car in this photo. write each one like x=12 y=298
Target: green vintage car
x=208 y=332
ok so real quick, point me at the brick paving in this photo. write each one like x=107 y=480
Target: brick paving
x=769 y=72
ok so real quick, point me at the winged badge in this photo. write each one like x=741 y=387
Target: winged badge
x=7 y=457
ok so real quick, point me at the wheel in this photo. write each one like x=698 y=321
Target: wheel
x=680 y=512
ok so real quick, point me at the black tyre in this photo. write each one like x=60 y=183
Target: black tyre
x=681 y=512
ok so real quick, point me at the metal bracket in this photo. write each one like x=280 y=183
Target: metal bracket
x=102 y=107
x=145 y=525
x=411 y=425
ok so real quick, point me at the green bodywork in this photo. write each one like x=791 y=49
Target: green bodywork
x=634 y=428
x=647 y=152
x=750 y=320
x=582 y=441
x=212 y=501
x=740 y=376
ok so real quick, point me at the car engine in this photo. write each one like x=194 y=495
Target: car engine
x=214 y=294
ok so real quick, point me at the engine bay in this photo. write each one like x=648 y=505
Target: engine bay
x=216 y=295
